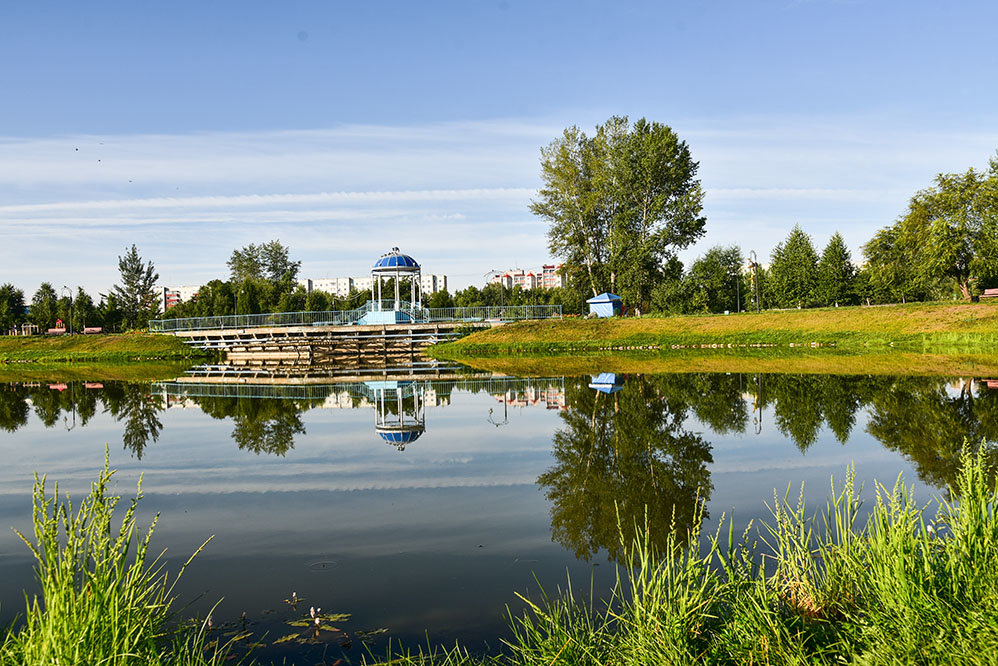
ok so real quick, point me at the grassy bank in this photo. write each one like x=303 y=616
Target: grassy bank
x=908 y=585
x=104 y=598
x=123 y=348
x=926 y=328
x=804 y=361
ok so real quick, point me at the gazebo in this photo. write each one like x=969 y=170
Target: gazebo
x=394 y=265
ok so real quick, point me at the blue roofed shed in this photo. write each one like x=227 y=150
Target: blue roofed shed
x=605 y=305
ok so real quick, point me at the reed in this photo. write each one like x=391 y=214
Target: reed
x=104 y=599
x=902 y=583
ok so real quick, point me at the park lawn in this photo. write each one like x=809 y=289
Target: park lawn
x=922 y=327
x=120 y=348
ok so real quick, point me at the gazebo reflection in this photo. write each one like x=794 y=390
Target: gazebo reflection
x=399 y=411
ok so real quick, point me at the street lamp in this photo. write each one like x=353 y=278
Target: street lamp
x=755 y=279
x=65 y=288
x=502 y=289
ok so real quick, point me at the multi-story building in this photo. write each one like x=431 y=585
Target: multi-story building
x=341 y=286
x=173 y=295
x=547 y=276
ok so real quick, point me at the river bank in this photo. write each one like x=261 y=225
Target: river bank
x=935 y=328
x=26 y=352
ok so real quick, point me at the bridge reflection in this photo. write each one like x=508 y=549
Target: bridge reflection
x=399 y=397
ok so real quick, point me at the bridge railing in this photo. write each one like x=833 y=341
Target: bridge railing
x=348 y=317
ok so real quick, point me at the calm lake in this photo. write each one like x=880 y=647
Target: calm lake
x=419 y=506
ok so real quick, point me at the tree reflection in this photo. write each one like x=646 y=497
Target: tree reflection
x=14 y=408
x=260 y=425
x=132 y=405
x=619 y=458
x=918 y=417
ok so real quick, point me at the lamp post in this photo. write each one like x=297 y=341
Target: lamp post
x=755 y=279
x=502 y=290
x=65 y=288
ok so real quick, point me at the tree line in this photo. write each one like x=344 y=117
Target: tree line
x=622 y=203
x=129 y=304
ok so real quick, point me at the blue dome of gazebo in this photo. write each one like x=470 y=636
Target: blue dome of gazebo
x=396 y=260
x=400 y=436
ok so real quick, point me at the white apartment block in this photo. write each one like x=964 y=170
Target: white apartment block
x=170 y=296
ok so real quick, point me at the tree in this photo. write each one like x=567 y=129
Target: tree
x=269 y=260
x=793 y=271
x=951 y=229
x=136 y=295
x=619 y=204
x=836 y=275
x=11 y=307
x=83 y=311
x=43 y=306
x=440 y=299
x=714 y=281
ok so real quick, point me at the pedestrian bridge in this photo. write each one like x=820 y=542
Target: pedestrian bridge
x=386 y=330
x=372 y=312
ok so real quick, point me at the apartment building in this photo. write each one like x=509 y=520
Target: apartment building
x=547 y=276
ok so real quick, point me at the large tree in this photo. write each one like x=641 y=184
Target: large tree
x=714 y=281
x=793 y=271
x=268 y=260
x=951 y=229
x=136 y=295
x=836 y=273
x=619 y=204
x=43 y=306
x=11 y=307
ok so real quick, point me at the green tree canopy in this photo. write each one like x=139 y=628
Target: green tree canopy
x=836 y=274
x=11 y=307
x=267 y=260
x=43 y=306
x=619 y=204
x=793 y=271
x=714 y=281
x=952 y=228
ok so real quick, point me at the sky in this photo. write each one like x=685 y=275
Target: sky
x=344 y=129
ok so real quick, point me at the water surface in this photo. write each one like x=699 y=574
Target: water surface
x=419 y=506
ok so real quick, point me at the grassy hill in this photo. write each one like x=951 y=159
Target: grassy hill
x=94 y=348
x=922 y=327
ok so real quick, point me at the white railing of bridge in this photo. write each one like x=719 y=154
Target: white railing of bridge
x=350 y=317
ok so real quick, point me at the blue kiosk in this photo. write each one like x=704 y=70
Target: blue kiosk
x=399 y=266
x=605 y=305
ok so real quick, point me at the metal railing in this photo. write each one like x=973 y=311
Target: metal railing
x=349 y=317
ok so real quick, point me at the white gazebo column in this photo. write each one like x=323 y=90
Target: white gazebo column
x=397 y=285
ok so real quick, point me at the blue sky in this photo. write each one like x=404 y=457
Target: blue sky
x=346 y=128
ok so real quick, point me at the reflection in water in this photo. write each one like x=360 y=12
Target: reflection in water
x=619 y=439
x=399 y=411
x=624 y=457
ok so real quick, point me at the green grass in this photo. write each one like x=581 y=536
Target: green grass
x=925 y=328
x=794 y=361
x=910 y=584
x=122 y=348
x=54 y=371
x=104 y=599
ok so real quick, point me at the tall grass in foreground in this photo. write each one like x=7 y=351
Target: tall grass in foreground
x=904 y=586
x=104 y=600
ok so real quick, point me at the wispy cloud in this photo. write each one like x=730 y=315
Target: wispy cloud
x=455 y=193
